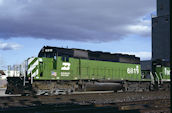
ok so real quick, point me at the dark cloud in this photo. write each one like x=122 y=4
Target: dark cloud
x=77 y=20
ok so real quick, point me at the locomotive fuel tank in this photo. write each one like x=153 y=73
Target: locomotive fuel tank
x=98 y=86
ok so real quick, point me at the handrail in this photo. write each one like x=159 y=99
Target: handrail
x=152 y=78
x=161 y=77
x=157 y=77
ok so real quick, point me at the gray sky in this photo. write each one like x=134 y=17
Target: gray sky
x=76 y=20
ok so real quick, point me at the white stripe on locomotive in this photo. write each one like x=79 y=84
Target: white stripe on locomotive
x=33 y=66
x=35 y=73
x=30 y=60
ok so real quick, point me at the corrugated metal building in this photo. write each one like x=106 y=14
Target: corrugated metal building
x=160 y=35
x=161 y=31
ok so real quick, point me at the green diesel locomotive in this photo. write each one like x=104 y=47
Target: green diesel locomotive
x=62 y=70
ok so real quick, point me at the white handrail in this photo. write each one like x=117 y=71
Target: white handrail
x=152 y=78
x=157 y=77
x=161 y=77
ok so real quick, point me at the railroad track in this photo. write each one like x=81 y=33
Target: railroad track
x=148 y=106
x=122 y=102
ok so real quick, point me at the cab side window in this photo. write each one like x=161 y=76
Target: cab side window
x=41 y=69
x=65 y=58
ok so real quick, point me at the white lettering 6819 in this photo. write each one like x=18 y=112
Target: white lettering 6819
x=133 y=70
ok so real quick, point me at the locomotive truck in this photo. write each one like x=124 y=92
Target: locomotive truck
x=62 y=70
